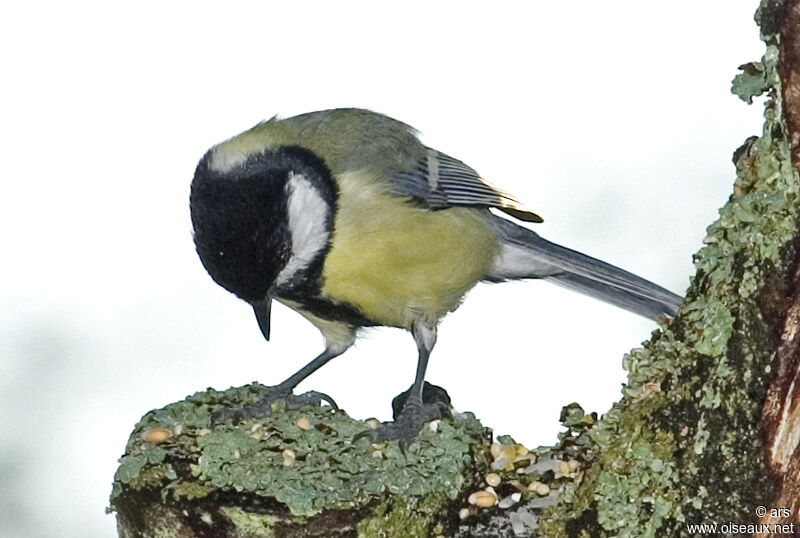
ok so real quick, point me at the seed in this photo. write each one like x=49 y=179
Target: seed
x=463 y=513
x=482 y=498
x=650 y=388
x=493 y=479
x=562 y=469
x=288 y=457
x=509 y=452
x=539 y=488
x=303 y=423
x=157 y=435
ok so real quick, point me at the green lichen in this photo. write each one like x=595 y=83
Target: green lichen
x=191 y=490
x=405 y=519
x=296 y=473
x=751 y=82
x=251 y=524
x=329 y=469
x=683 y=444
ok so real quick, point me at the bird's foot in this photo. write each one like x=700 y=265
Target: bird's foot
x=431 y=394
x=411 y=417
x=263 y=407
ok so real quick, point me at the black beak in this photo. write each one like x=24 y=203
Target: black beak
x=262 y=309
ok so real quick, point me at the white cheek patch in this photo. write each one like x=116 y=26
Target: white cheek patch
x=308 y=213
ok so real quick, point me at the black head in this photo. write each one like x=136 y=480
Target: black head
x=240 y=215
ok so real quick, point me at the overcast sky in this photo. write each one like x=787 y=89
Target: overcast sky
x=613 y=120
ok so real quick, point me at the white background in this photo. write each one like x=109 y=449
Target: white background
x=613 y=120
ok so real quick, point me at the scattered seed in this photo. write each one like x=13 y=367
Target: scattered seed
x=650 y=388
x=493 y=479
x=157 y=435
x=539 y=488
x=521 y=462
x=482 y=498
x=373 y=424
x=562 y=469
x=303 y=423
x=463 y=513
x=288 y=457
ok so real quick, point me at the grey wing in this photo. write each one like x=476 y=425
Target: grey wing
x=441 y=181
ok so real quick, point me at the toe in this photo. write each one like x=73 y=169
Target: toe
x=431 y=394
x=405 y=428
x=311 y=397
x=263 y=407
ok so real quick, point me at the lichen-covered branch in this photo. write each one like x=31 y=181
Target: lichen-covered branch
x=301 y=472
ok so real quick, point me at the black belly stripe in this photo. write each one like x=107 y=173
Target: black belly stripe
x=327 y=309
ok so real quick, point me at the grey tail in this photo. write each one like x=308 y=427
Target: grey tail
x=524 y=254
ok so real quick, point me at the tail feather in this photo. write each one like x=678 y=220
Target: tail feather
x=525 y=254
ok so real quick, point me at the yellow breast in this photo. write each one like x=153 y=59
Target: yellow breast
x=398 y=263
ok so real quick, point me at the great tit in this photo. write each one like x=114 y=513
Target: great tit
x=346 y=217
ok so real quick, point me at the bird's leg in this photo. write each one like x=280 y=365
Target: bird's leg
x=283 y=391
x=414 y=413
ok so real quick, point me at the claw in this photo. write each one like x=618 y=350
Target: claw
x=311 y=397
x=408 y=421
x=263 y=408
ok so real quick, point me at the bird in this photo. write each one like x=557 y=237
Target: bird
x=346 y=217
